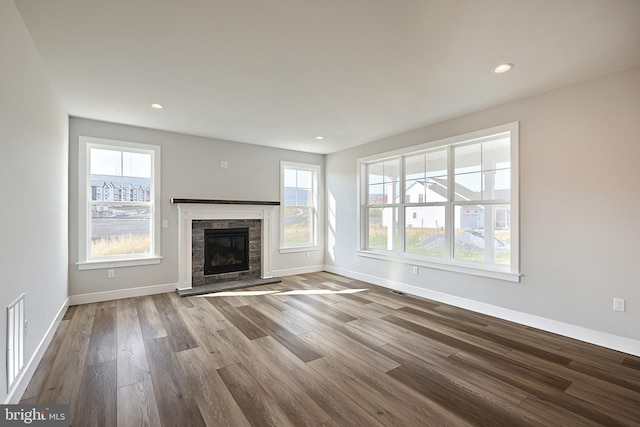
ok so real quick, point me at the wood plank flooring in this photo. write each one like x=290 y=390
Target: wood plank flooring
x=323 y=350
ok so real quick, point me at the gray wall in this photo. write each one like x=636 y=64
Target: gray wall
x=33 y=187
x=579 y=204
x=190 y=169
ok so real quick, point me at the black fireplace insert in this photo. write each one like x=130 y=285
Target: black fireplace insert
x=226 y=250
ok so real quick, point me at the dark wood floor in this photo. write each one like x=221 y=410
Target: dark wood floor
x=350 y=354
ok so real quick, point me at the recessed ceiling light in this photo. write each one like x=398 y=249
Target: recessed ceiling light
x=503 y=68
x=319 y=137
x=157 y=106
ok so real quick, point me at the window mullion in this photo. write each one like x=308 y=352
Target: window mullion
x=449 y=229
x=401 y=207
x=489 y=234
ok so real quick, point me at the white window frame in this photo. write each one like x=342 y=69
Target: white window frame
x=85 y=261
x=316 y=208
x=504 y=272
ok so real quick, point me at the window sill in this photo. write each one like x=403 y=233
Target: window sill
x=96 y=265
x=458 y=268
x=290 y=250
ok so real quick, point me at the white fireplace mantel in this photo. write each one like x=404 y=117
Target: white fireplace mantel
x=188 y=212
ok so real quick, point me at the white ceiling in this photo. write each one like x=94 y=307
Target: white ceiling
x=281 y=72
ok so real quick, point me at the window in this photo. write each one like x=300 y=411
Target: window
x=119 y=203
x=299 y=211
x=449 y=204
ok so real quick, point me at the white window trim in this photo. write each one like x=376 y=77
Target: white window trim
x=317 y=169
x=508 y=273
x=84 y=261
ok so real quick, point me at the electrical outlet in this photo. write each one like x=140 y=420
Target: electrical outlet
x=618 y=304
x=165 y=223
x=308 y=254
x=224 y=164
x=415 y=269
x=111 y=273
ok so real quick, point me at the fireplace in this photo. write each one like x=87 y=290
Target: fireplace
x=197 y=215
x=226 y=250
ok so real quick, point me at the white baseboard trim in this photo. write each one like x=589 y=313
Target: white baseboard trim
x=603 y=339
x=121 y=293
x=298 y=270
x=22 y=382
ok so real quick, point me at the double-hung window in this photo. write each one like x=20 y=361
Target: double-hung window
x=119 y=205
x=449 y=204
x=299 y=206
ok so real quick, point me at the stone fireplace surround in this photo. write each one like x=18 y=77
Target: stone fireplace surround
x=190 y=210
x=254 y=226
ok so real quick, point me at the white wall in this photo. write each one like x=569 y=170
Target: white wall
x=190 y=169
x=33 y=188
x=580 y=208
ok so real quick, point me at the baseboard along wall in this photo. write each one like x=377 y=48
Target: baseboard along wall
x=603 y=339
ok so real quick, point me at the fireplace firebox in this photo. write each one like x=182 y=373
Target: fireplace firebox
x=226 y=250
